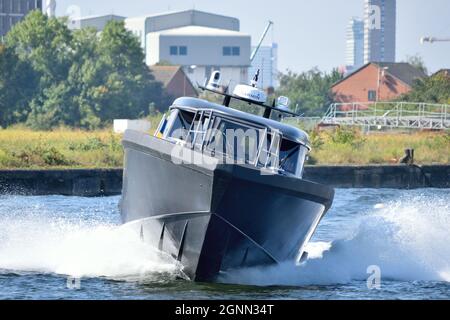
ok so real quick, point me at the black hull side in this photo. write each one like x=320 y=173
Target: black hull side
x=217 y=217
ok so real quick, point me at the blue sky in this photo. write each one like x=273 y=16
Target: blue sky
x=309 y=33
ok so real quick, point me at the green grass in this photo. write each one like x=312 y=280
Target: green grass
x=352 y=147
x=67 y=148
x=20 y=148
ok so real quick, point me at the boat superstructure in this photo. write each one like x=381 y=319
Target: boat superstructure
x=220 y=189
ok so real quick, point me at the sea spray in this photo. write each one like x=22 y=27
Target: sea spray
x=38 y=240
x=406 y=238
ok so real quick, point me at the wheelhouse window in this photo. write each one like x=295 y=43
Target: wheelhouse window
x=234 y=142
x=292 y=157
x=178 y=124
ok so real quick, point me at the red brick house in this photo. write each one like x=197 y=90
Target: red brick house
x=443 y=72
x=377 y=82
x=175 y=81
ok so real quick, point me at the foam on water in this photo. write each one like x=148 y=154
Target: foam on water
x=41 y=242
x=408 y=239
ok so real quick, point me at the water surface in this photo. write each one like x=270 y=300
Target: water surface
x=47 y=243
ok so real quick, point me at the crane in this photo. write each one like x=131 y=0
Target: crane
x=433 y=39
x=252 y=57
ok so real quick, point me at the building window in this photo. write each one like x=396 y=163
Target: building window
x=173 y=50
x=227 y=51
x=178 y=50
x=183 y=50
x=231 y=51
x=372 y=95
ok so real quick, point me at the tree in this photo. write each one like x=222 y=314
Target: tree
x=417 y=62
x=434 y=89
x=309 y=90
x=17 y=87
x=84 y=78
x=45 y=44
x=129 y=87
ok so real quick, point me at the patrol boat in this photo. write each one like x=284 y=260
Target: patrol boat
x=220 y=189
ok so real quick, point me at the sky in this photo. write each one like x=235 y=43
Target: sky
x=309 y=33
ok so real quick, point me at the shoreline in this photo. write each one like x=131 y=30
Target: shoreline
x=108 y=182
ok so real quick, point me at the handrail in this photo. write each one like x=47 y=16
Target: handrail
x=196 y=128
x=389 y=114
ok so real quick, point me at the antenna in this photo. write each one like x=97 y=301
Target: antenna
x=255 y=80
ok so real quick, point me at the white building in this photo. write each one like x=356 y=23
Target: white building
x=380 y=30
x=200 y=42
x=267 y=61
x=355 y=44
x=98 y=22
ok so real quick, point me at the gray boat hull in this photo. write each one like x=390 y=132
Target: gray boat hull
x=215 y=217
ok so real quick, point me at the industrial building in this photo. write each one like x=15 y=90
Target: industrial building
x=12 y=11
x=198 y=41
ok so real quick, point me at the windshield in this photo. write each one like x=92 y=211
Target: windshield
x=235 y=142
x=292 y=157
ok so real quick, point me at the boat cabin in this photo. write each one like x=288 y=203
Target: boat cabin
x=236 y=137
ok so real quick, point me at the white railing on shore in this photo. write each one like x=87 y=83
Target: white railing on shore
x=407 y=115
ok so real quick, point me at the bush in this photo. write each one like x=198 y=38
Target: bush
x=41 y=155
x=92 y=143
x=344 y=136
x=53 y=157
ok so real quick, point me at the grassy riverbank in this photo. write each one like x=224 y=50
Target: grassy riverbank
x=20 y=148
x=65 y=148
x=352 y=147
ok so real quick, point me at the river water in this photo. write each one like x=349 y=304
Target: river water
x=56 y=247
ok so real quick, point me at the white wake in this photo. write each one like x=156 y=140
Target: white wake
x=50 y=244
x=407 y=239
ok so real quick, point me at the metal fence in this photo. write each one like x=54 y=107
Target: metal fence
x=390 y=115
